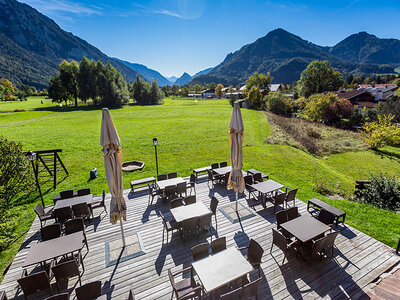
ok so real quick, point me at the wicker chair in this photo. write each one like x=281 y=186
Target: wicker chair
x=211 y=178
x=281 y=217
x=67 y=269
x=282 y=242
x=172 y=175
x=66 y=194
x=315 y=247
x=330 y=242
x=199 y=251
x=89 y=291
x=99 y=203
x=81 y=210
x=63 y=214
x=292 y=213
x=291 y=196
x=204 y=223
x=42 y=215
x=254 y=254
x=170 y=192
x=186 y=288
x=33 y=283
x=169 y=224
x=3 y=295
x=279 y=199
x=257 y=177
x=162 y=177
x=83 y=192
x=218 y=244
x=250 y=290
x=62 y=296
x=326 y=217
x=76 y=225
x=214 y=166
x=192 y=184
x=50 y=232
x=154 y=191
x=213 y=207
x=223 y=164
x=181 y=189
x=189 y=226
x=190 y=200
x=176 y=203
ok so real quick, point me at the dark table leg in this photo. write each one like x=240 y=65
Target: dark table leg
x=398 y=248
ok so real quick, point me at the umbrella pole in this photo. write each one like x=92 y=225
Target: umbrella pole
x=237 y=196
x=122 y=232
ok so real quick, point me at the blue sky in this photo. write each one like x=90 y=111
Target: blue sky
x=190 y=35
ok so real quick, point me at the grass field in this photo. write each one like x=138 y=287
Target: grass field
x=191 y=134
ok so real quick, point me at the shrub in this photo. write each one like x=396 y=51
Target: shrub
x=278 y=104
x=382 y=192
x=254 y=98
x=381 y=133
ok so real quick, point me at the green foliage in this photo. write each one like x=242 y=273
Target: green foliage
x=382 y=192
x=144 y=94
x=277 y=103
x=166 y=89
x=88 y=79
x=68 y=72
x=319 y=77
x=113 y=88
x=391 y=106
x=382 y=132
x=254 y=98
x=184 y=91
x=261 y=81
x=57 y=92
x=218 y=90
x=7 y=90
x=197 y=88
x=175 y=89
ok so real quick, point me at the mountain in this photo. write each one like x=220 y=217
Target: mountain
x=148 y=74
x=185 y=78
x=206 y=71
x=172 y=79
x=33 y=45
x=285 y=56
x=367 y=48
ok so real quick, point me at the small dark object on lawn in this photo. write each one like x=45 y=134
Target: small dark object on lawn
x=93 y=173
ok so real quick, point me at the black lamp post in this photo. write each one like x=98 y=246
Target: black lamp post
x=155 y=142
x=31 y=156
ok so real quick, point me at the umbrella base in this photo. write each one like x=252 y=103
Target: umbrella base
x=116 y=252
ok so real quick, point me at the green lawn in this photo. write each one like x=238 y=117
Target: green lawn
x=191 y=134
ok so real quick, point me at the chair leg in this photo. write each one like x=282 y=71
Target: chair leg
x=398 y=248
x=272 y=245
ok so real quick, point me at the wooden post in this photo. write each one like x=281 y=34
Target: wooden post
x=55 y=170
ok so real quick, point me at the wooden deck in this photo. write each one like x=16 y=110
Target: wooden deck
x=359 y=259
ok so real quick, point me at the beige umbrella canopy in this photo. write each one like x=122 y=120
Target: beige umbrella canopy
x=236 y=128
x=111 y=144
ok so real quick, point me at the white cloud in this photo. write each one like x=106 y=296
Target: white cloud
x=148 y=10
x=56 y=6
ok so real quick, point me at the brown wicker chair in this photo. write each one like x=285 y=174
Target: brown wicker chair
x=292 y=213
x=169 y=224
x=162 y=177
x=170 y=192
x=281 y=217
x=190 y=200
x=232 y=295
x=185 y=288
x=211 y=178
x=192 y=184
x=330 y=242
x=99 y=203
x=172 y=175
x=33 y=283
x=63 y=214
x=62 y=296
x=154 y=191
x=291 y=196
x=214 y=166
x=223 y=164
x=83 y=192
x=213 y=207
x=43 y=216
x=248 y=181
x=189 y=226
x=254 y=254
x=199 y=251
x=218 y=244
x=204 y=223
x=250 y=290
x=181 y=189
x=282 y=242
x=76 y=225
x=89 y=291
x=81 y=210
x=314 y=247
x=326 y=217
x=66 y=194
x=279 y=199
x=50 y=232
x=176 y=203
x=67 y=269
x=257 y=177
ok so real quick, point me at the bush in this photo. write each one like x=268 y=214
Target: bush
x=382 y=192
x=254 y=99
x=278 y=104
x=381 y=133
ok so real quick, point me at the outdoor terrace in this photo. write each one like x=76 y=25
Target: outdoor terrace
x=358 y=260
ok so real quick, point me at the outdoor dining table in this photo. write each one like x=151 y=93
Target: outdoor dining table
x=185 y=212
x=72 y=201
x=47 y=250
x=305 y=228
x=222 y=171
x=267 y=187
x=221 y=268
x=173 y=181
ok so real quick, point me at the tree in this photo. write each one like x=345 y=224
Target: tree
x=211 y=86
x=69 y=78
x=155 y=93
x=88 y=81
x=7 y=90
x=138 y=89
x=254 y=98
x=166 y=89
x=261 y=81
x=218 y=90
x=184 y=91
x=381 y=133
x=197 y=89
x=175 y=89
x=113 y=87
x=319 y=77
x=57 y=91
x=277 y=103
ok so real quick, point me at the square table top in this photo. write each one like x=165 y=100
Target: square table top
x=222 y=171
x=221 y=268
x=305 y=228
x=189 y=211
x=267 y=186
x=53 y=248
x=173 y=181
x=72 y=201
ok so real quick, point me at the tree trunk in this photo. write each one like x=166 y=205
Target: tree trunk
x=76 y=100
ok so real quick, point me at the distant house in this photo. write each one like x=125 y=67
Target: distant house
x=208 y=93
x=276 y=87
x=194 y=95
x=234 y=95
x=359 y=98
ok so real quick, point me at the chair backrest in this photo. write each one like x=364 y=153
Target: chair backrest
x=193 y=178
x=291 y=195
x=181 y=187
x=279 y=239
x=318 y=245
x=162 y=177
x=62 y=296
x=214 y=166
x=255 y=251
x=223 y=164
x=39 y=210
x=170 y=190
x=50 y=232
x=330 y=239
x=74 y=225
x=172 y=281
x=213 y=205
x=281 y=217
x=67 y=194
x=279 y=199
x=34 y=283
x=176 y=202
x=292 y=213
x=83 y=192
x=89 y=291
x=189 y=224
x=199 y=251
x=248 y=179
x=65 y=270
x=204 y=221
x=172 y=175
x=81 y=209
x=257 y=177
x=63 y=214
x=190 y=199
x=232 y=295
x=250 y=290
x=210 y=175
x=326 y=217
x=218 y=244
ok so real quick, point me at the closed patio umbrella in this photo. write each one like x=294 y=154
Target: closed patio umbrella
x=111 y=144
x=236 y=128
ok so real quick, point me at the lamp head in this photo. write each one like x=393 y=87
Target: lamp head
x=31 y=156
x=155 y=141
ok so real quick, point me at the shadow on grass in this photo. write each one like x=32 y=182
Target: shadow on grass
x=73 y=108
x=387 y=154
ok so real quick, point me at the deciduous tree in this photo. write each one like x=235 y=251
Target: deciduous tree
x=218 y=90
x=69 y=78
x=261 y=81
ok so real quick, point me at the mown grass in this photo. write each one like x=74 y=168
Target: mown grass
x=193 y=134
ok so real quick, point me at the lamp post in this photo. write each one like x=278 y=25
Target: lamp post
x=155 y=142
x=31 y=156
